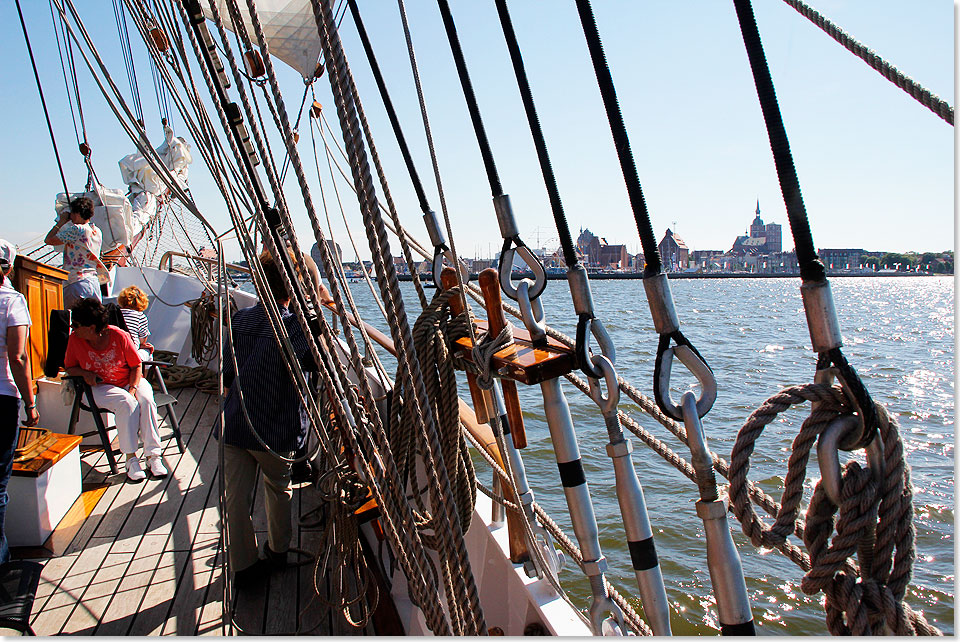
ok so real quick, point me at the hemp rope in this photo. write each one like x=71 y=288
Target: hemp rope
x=859 y=603
x=459 y=584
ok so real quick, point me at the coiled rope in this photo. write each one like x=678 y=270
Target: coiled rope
x=856 y=602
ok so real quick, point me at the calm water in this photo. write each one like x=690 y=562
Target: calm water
x=899 y=334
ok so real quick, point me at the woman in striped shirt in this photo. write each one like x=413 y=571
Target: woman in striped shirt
x=133 y=301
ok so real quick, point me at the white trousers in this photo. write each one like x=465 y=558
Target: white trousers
x=133 y=415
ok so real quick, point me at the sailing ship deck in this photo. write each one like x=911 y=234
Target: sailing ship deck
x=147 y=558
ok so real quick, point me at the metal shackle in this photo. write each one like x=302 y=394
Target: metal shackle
x=531 y=312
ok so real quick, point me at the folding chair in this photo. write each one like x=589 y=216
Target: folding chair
x=163 y=398
x=18 y=590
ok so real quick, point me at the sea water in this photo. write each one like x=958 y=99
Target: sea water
x=897 y=332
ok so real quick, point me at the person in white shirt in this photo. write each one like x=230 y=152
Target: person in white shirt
x=16 y=381
x=81 y=241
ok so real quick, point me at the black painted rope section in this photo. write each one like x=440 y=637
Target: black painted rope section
x=563 y=229
x=811 y=268
x=388 y=105
x=651 y=253
x=470 y=97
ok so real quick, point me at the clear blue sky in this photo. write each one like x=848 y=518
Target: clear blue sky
x=876 y=168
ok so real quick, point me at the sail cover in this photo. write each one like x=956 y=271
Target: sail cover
x=288 y=26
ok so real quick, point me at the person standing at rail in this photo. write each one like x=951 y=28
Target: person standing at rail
x=265 y=425
x=81 y=241
x=16 y=380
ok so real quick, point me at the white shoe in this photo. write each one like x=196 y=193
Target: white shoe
x=155 y=464
x=135 y=470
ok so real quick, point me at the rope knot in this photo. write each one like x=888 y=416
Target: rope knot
x=483 y=352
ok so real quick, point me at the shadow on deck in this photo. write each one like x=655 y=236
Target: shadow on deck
x=148 y=558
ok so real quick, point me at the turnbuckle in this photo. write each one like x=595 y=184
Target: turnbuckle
x=606 y=618
x=511 y=238
x=723 y=560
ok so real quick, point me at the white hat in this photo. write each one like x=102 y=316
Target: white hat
x=8 y=253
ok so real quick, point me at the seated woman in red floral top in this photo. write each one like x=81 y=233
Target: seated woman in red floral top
x=107 y=359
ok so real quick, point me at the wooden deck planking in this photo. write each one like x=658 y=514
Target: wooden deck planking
x=152 y=545
x=147 y=559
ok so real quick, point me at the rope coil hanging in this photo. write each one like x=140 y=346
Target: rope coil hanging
x=875 y=519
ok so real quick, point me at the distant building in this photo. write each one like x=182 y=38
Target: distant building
x=589 y=246
x=840 y=259
x=333 y=248
x=760 y=239
x=614 y=256
x=674 y=253
x=707 y=259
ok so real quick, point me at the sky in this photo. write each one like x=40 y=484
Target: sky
x=876 y=168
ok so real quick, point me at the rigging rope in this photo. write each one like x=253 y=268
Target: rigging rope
x=43 y=101
x=124 y=36
x=922 y=95
x=526 y=95
x=811 y=268
x=461 y=583
x=608 y=93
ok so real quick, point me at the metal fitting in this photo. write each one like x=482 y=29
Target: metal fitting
x=828 y=455
x=508 y=224
x=526 y=498
x=660 y=300
x=531 y=312
x=580 y=289
x=607 y=403
x=595 y=567
x=712 y=510
x=620 y=449
x=821 y=316
x=433 y=229
x=699 y=369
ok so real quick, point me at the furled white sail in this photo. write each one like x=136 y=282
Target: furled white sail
x=288 y=26
x=144 y=184
x=111 y=213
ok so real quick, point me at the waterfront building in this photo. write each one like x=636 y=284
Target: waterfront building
x=840 y=259
x=674 y=253
x=589 y=246
x=614 y=256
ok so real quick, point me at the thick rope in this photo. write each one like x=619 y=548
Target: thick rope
x=924 y=96
x=430 y=338
x=875 y=519
x=460 y=583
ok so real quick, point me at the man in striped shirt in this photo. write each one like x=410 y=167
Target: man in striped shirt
x=261 y=385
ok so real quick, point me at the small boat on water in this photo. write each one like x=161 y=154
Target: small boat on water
x=400 y=533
